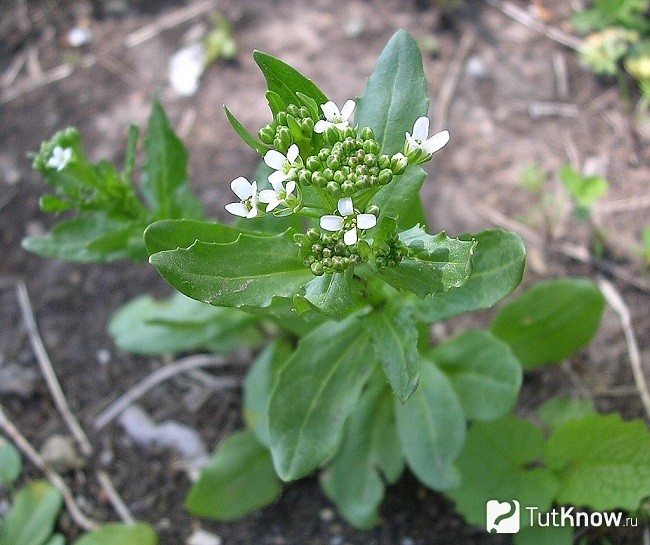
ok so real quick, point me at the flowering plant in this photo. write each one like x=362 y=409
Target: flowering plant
x=331 y=246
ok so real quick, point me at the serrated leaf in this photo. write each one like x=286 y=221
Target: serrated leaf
x=332 y=294
x=124 y=534
x=32 y=516
x=494 y=465
x=395 y=341
x=249 y=271
x=11 y=465
x=328 y=369
x=550 y=321
x=172 y=234
x=286 y=81
x=601 y=461
x=483 y=371
x=436 y=263
x=259 y=146
x=258 y=386
x=370 y=445
x=560 y=410
x=238 y=480
x=497 y=269
x=165 y=185
x=431 y=428
x=180 y=324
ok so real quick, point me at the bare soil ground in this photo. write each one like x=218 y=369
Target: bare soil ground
x=506 y=75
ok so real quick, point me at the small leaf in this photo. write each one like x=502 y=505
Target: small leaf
x=11 y=466
x=316 y=390
x=550 y=321
x=120 y=534
x=494 y=466
x=259 y=146
x=370 y=445
x=130 y=155
x=395 y=341
x=559 y=410
x=258 y=386
x=544 y=535
x=585 y=190
x=601 y=461
x=238 y=480
x=431 y=427
x=435 y=263
x=401 y=198
x=249 y=271
x=497 y=269
x=52 y=204
x=483 y=371
x=32 y=516
x=332 y=294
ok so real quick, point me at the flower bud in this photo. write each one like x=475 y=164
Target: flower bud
x=284 y=135
x=347 y=188
x=333 y=189
x=385 y=176
x=318 y=179
x=383 y=161
x=266 y=134
x=293 y=110
x=303 y=112
x=317 y=268
x=281 y=118
x=304 y=176
x=324 y=154
x=331 y=135
x=370 y=159
x=313 y=234
x=367 y=134
x=398 y=164
x=339 y=177
x=371 y=209
x=314 y=164
x=307 y=126
x=332 y=161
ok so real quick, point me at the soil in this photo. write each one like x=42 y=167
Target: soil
x=508 y=72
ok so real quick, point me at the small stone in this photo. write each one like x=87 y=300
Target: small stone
x=59 y=454
x=103 y=356
x=327 y=514
x=201 y=537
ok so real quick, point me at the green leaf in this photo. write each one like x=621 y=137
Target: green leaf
x=282 y=312
x=249 y=271
x=435 y=264
x=238 y=480
x=11 y=466
x=120 y=534
x=90 y=238
x=401 y=198
x=180 y=324
x=370 y=445
x=332 y=294
x=544 y=535
x=259 y=146
x=601 y=461
x=258 y=386
x=585 y=190
x=172 y=234
x=286 y=81
x=56 y=539
x=32 y=516
x=483 y=371
x=395 y=341
x=396 y=93
x=431 y=428
x=550 y=321
x=559 y=410
x=497 y=269
x=316 y=390
x=130 y=155
x=497 y=464
x=165 y=185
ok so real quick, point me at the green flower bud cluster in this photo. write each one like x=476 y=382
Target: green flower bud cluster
x=389 y=252
x=350 y=162
x=288 y=127
x=66 y=138
x=326 y=252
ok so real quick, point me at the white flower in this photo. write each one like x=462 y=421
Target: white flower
x=348 y=220
x=60 y=158
x=247 y=193
x=420 y=140
x=185 y=69
x=281 y=163
x=278 y=195
x=334 y=117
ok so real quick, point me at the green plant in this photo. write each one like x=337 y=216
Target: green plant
x=331 y=259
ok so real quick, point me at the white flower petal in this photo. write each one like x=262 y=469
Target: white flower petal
x=436 y=142
x=273 y=205
x=350 y=237
x=366 y=221
x=242 y=188
x=277 y=184
x=255 y=195
x=421 y=128
x=237 y=209
x=267 y=195
x=252 y=213
x=292 y=153
x=330 y=110
x=347 y=110
x=321 y=126
x=331 y=223
x=345 y=206
x=274 y=159
x=277 y=178
x=291 y=186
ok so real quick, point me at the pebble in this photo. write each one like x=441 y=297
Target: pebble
x=201 y=537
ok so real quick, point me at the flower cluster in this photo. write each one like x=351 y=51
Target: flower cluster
x=325 y=168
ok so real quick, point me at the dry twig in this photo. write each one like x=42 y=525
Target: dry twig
x=116 y=501
x=623 y=205
x=23 y=444
x=615 y=300
x=155 y=378
x=48 y=371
